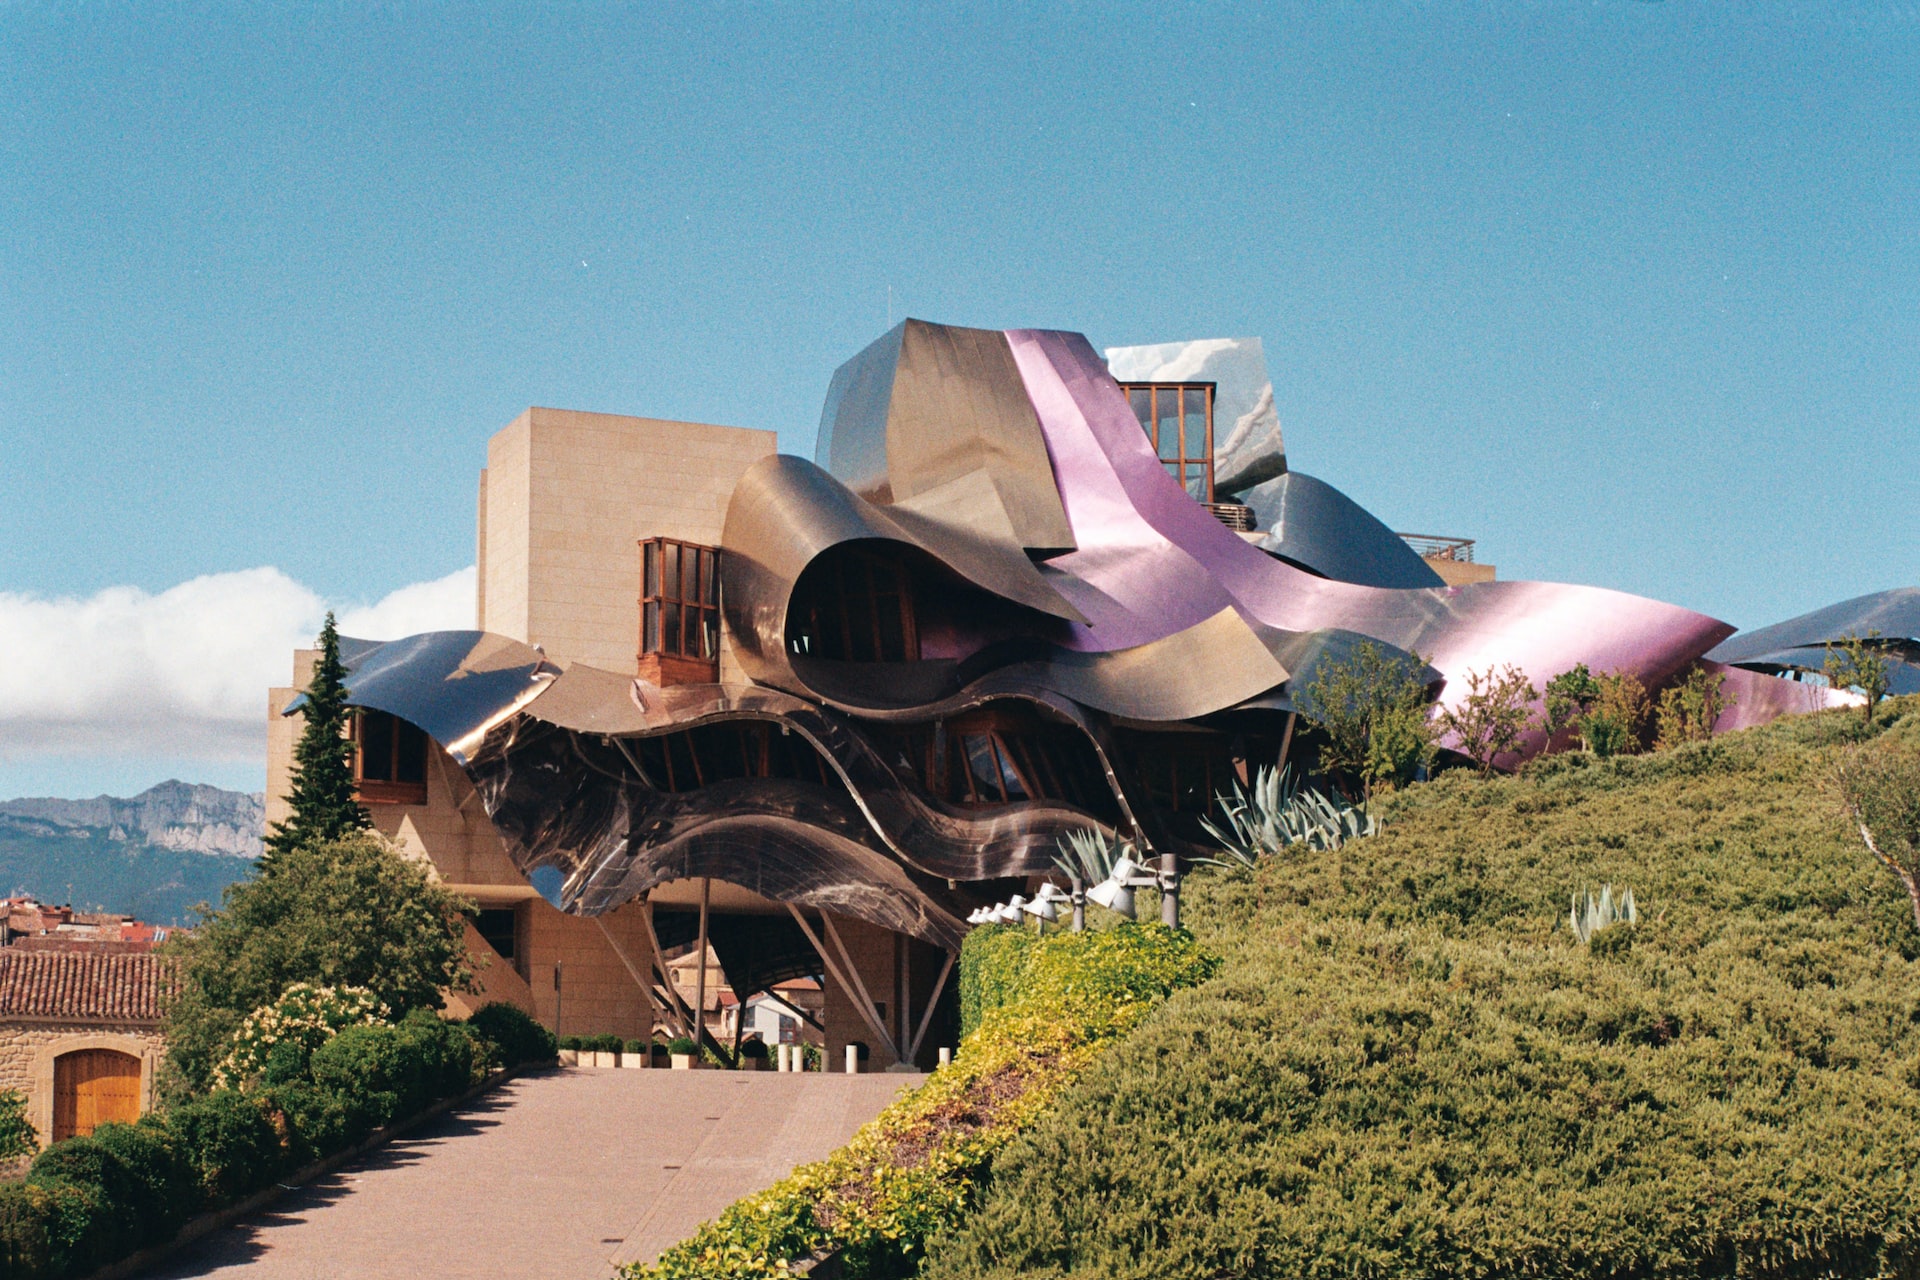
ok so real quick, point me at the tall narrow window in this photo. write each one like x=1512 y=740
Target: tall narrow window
x=389 y=759
x=679 y=612
x=1178 y=419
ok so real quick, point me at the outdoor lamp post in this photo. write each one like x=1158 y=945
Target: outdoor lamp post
x=1045 y=905
x=1115 y=893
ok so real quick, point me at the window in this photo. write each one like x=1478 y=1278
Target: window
x=389 y=759
x=1178 y=418
x=679 y=599
x=854 y=606
x=498 y=927
x=997 y=757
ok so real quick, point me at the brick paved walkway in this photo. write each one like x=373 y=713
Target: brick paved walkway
x=559 y=1175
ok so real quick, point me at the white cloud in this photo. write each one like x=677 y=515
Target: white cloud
x=183 y=673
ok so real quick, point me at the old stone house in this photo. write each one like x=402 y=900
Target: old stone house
x=80 y=1035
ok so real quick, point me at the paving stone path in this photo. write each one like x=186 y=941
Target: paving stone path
x=564 y=1174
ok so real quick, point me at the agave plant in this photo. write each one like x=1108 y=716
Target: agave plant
x=1276 y=812
x=1601 y=912
x=1090 y=854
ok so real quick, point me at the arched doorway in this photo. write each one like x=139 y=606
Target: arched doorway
x=92 y=1087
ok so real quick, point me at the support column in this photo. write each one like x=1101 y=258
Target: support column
x=700 y=983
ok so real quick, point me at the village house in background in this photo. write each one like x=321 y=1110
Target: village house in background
x=35 y=926
x=81 y=996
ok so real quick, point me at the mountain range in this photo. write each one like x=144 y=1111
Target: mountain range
x=154 y=855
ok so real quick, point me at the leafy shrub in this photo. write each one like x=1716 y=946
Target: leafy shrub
x=569 y=1042
x=1491 y=719
x=682 y=1045
x=228 y=1141
x=514 y=1033
x=993 y=961
x=349 y=913
x=161 y=1189
x=1688 y=709
x=300 y=1021
x=25 y=1213
x=133 y=1190
x=1856 y=663
x=383 y=1074
x=1372 y=692
x=913 y=1171
x=17 y=1136
x=1408 y=1067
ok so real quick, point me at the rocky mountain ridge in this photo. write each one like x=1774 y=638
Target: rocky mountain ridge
x=173 y=815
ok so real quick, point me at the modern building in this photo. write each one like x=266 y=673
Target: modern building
x=811 y=713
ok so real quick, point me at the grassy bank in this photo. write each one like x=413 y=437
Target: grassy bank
x=1038 y=1012
x=1410 y=1067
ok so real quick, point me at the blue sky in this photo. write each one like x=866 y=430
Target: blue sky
x=1628 y=291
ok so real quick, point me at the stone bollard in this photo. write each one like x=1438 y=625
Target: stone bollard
x=853 y=1059
x=946 y=1055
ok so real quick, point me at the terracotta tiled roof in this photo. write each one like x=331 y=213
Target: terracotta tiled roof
x=88 y=987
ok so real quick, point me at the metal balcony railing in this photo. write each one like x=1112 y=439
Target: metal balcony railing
x=1433 y=546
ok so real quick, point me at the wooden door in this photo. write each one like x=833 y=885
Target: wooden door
x=92 y=1087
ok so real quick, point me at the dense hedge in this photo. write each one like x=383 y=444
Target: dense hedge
x=913 y=1170
x=88 y=1201
x=992 y=963
x=1410 y=1068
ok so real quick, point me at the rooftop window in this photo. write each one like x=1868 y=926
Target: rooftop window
x=1178 y=419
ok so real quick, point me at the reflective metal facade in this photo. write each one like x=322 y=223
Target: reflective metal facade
x=987 y=575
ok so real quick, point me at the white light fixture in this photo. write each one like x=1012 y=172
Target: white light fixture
x=1115 y=893
x=1043 y=907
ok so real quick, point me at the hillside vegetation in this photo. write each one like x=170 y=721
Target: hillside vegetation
x=1409 y=1066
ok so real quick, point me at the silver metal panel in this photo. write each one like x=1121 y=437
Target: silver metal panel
x=928 y=404
x=1310 y=523
x=1247 y=444
x=1894 y=614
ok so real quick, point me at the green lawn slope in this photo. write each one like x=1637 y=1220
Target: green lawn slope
x=1408 y=1066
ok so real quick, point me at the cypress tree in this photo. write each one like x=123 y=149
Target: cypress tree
x=322 y=797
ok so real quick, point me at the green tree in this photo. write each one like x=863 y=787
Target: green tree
x=1688 y=710
x=1614 y=724
x=322 y=801
x=1375 y=693
x=349 y=912
x=1569 y=698
x=1880 y=793
x=1855 y=663
x=1491 y=719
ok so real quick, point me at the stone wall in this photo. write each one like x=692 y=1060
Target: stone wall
x=28 y=1050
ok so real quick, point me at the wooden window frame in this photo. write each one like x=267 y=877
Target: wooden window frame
x=872 y=590
x=678 y=611
x=1183 y=457
x=387 y=790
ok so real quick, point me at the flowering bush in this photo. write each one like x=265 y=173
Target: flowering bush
x=300 y=1021
x=1051 y=1007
